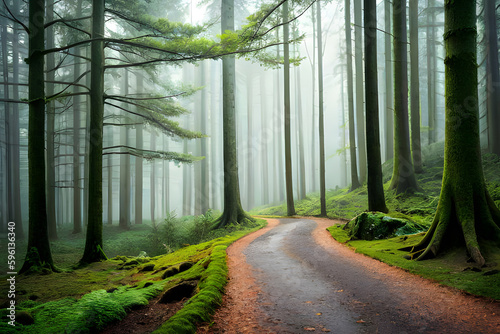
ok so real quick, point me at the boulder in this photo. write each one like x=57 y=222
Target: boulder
x=377 y=225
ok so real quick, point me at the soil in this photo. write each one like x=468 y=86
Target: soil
x=293 y=277
x=145 y=319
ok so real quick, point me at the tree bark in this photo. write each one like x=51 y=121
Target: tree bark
x=403 y=175
x=38 y=253
x=322 y=185
x=493 y=77
x=51 y=176
x=250 y=141
x=138 y=160
x=300 y=129
x=376 y=198
x=265 y=140
x=14 y=135
x=389 y=99
x=124 y=220
x=466 y=214
x=290 y=206
x=77 y=207
x=431 y=73
x=415 y=89
x=233 y=212
x=93 y=244
x=350 y=98
x=360 y=120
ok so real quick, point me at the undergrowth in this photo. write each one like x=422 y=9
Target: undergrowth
x=86 y=300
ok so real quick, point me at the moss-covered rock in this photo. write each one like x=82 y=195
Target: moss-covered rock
x=377 y=225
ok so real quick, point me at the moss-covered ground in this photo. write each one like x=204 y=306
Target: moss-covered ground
x=451 y=269
x=87 y=299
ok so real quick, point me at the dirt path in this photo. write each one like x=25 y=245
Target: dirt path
x=292 y=277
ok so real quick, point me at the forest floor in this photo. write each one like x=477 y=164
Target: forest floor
x=292 y=277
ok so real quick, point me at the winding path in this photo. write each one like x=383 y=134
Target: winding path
x=292 y=277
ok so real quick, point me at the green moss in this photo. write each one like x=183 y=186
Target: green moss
x=449 y=269
x=211 y=288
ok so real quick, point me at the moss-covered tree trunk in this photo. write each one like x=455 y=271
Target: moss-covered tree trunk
x=493 y=77
x=233 y=212
x=415 y=89
x=93 y=244
x=376 y=198
x=51 y=116
x=389 y=100
x=403 y=175
x=38 y=253
x=358 y=61
x=431 y=71
x=350 y=98
x=466 y=213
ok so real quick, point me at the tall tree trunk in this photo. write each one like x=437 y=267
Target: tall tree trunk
x=266 y=138
x=403 y=175
x=138 y=160
x=322 y=185
x=290 y=207
x=350 y=98
x=343 y=157
x=14 y=137
x=360 y=120
x=77 y=103
x=389 y=99
x=205 y=172
x=110 y=182
x=313 y=99
x=431 y=72
x=5 y=205
x=51 y=176
x=93 y=244
x=493 y=77
x=278 y=143
x=415 y=89
x=77 y=221
x=300 y=129
x=233 y=212
x=466 y=214
x=376 y=199
x=250 y=142
x=38 y=253
x=153 y=180
x=214 y=138
x=124 y=220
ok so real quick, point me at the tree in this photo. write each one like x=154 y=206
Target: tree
x=466 y=213
x=403 y=175
x=431 y=71
x=360 y=120
x=51 y=111
x=12 y=157
x=350 y=98
x=415 y=89
x=493 y=77
x=322 y=186
x=389 y=100
x=233 y=212
x=290 y=207
x=376 y=199
x=93 y=243
x=38 y=254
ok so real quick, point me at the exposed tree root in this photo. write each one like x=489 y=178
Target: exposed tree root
x=465 y=219
x=229 y=217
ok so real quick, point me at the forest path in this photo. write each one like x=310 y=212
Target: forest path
x=292 y=277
